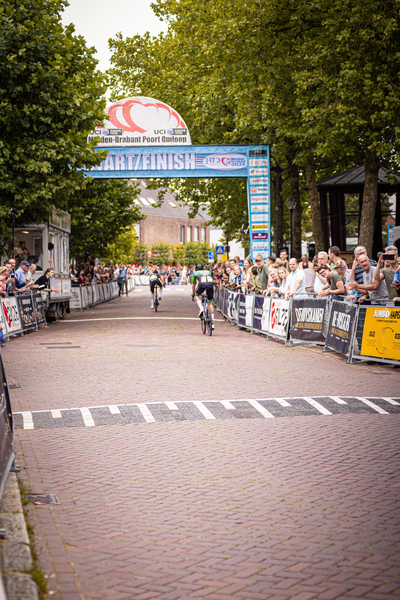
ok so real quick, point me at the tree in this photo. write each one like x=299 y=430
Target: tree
x=161 y=253
x=51 y=96
x=193 y=253
x=139 y=253
x=178 y=253
x=122 y=248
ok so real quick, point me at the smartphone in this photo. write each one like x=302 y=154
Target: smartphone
x=388 y=256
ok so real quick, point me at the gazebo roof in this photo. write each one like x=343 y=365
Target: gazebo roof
x=355 y=177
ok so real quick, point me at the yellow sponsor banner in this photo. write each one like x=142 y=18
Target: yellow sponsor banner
x=381 y=335
x=257 y=226
x=222 y=257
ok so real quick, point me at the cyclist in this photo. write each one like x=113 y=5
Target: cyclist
x=202 y=281
x=155 y=280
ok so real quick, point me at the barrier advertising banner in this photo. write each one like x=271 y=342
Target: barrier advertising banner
x=265 y=315
x=279 y=317
x=258 y=312
x=89 y=290
x=26 y=312
x=85 y=298
x=11 y=315
x=242 y=310
x=340 y=327
x=249 y=310
x=39 y=308
x=307 y=320
x=232 y=306
x=381 y=334
x=75 y=302
x=6 y=430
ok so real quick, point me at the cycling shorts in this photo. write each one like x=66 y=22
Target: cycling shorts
x=207 y=287
x=154 y=283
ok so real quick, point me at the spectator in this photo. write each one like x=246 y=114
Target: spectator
x=359 y=274
x=274 y=283
x=43 y=282
x=262 y=270
x=120 y=281
x=255 y=285
x=20 y=276
x=282 y=275
x=387 y=274
x=335 y=285
x=371 y=289
x=309 y=272
x=320 y=279
x=236 y=284
x=271 y=260
x=334 y=255
x=283 y=255
x=296 y=281
x=3 y=281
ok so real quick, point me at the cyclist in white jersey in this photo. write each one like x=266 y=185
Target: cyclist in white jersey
x=155 y=280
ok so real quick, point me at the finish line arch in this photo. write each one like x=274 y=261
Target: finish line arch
x=251 y=162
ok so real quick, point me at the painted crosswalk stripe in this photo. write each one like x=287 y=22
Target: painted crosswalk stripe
x=391 y=401
x=265 y=413
x=148 y=417
x=317 y=405
x=87 y=417
x=56 y=414
x=171 y=405
x=27 y=420
x=227 y=404
x=203 y=409
x=282 y=401
x=337 y=399
x=114 y=410
x=372 y=405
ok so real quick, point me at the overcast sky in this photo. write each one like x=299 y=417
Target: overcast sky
x=98 y=20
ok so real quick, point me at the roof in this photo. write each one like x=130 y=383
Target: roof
x=169 y=208
x=355 y=177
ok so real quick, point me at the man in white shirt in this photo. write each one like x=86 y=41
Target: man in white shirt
x=296 y=281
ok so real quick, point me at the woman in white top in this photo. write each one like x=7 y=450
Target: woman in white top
x=274 y=283
x=282 y=274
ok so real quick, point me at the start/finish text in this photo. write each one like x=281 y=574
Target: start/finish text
x=146 y=161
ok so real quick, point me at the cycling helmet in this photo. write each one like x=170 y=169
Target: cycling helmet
x=199 y=267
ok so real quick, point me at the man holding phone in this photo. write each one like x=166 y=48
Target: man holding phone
x=389 y=274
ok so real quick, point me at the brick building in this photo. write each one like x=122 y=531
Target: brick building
x=169 y=222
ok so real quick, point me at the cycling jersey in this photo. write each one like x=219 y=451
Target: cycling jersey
x=202 y=277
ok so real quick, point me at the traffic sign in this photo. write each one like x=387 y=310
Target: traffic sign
x=210 y=256
x=219 y=249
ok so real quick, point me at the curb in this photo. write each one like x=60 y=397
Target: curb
x=15 y=551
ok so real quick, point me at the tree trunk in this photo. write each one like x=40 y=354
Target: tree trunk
x=294 y=183
x=366 y=234
x=315 y=204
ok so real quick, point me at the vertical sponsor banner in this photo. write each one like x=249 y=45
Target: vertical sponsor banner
x=11 y=315
x=232 y=305
x=216 y=296
x=66 y=288
x=278 y=317
x=39 y=308
x=84 y=295
x=242 y=310
x=95 y=294
x=27 y=312
x=259 y=200
x=75 y=302
x=225 y=302
x=340 y=328
x=381 y=334
x=6 y=430
x=307 y=320
x=115 y=289
x=258 y=312
x=136 y=279
x=265 y=315
x=144 y=280
x=90 y=295
x=249 y=310
x=101 y=291
x=56 y=282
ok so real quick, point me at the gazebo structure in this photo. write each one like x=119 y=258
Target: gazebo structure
x=341 y=202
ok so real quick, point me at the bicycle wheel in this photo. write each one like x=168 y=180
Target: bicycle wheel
x=203 y=320
x=155 y=300
x=209 y=321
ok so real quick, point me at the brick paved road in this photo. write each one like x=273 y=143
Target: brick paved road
x=264 y=508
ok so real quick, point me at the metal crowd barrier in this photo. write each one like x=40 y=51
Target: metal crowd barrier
x=359 y=332
x=22 y=313
x=86 y=296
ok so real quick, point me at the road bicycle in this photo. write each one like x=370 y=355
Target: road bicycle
x=156 y=300
x=205 y=320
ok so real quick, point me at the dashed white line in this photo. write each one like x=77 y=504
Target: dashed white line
x=317 y=405
x=148 y=417
x=228 y=404
x=261 y=409
x=203 y=409
x=114 y=410
x=87 y=417
x=372 y=405
x=171 y=405
x=282 y=401
x=337 y=399
x=56 y=414
x=28 y=420
x=391 y=401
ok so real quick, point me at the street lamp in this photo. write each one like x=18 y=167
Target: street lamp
x=278 y=184
x=227 y=223
x=14 y=213
x=291 y=204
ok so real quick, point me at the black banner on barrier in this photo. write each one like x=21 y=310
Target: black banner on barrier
x=39 y=308
x=27 y=313
x=6 y=430
x=242 y=310
x=340 y=327
x=258 y=312
x=307 y=320
x=224 y=301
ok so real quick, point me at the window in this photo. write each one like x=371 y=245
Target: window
x=144 y=201
x=203 y=234
x=182 y=235
x=196 y=234
x=189 y=234
x=172 y=203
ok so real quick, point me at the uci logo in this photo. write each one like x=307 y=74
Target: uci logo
x=372 y=334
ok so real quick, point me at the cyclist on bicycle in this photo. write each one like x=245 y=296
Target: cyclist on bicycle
x=202 y=282
x=155 y=281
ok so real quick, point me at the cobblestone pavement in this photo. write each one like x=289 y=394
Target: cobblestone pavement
x=160 y=500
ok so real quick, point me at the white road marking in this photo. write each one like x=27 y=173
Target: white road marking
x=261 y=409
x=391 y=401
x=87 y=417
x=282 y=402
x=337 y=399
x=148 y=417
x=203 y=409
x=56 y=414
x=171 y=405
x=317 y=405
x=372 y=405
x=228 y=404
x=114 y=410
x=27 y=420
